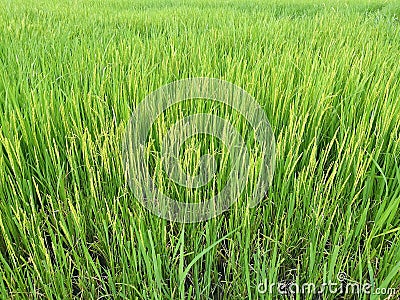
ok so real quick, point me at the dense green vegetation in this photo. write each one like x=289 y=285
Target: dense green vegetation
x=327 y=75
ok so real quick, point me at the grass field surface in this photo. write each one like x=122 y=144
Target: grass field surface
x=325 y=73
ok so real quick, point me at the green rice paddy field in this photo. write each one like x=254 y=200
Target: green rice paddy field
x=327 y=75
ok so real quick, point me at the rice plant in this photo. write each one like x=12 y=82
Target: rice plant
x=327 y=77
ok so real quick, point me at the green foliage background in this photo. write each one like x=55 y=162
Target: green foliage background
x=327 y=74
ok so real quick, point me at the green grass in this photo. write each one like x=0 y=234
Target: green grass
x=327 y=75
